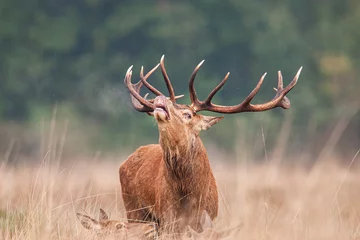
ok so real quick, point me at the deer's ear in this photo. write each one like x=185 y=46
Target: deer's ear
x=103 y=217
x=207 y=122
x=205 y=220
x=88 y=222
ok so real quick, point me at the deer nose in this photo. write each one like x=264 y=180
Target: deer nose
x=160 y=100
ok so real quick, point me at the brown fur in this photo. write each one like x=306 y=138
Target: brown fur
x=171 y=182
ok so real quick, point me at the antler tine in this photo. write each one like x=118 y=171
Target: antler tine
x=139 y=103
x=280 y=100
x=207 y=105
x=280 y=81
x=193 y=97
x=143 y=79
x=254 y=91
x=285 y=102
x=167 y=80
x=137 y=86
x=293 y=82
x=135 y=91
x=216 y=89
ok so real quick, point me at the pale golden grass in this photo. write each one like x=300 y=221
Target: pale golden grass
x=272 y=201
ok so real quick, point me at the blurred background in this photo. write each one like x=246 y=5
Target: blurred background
x=66 y=120
x=62 y=65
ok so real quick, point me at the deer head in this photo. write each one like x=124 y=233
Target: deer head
x=180 y=121
x=105 y=226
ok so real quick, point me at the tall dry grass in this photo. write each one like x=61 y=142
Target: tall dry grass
x=272 y=200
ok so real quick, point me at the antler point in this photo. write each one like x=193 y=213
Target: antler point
x=142 y=71
x=199 y=65
x=129 y=69
x=298 y=72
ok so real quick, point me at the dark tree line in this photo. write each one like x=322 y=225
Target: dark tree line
x=75 y=53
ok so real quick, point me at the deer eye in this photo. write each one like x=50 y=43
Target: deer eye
x=187 y=115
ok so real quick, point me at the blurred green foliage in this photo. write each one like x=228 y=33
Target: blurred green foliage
x=75 y=54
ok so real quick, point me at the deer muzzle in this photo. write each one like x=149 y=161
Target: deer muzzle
x=161 y=111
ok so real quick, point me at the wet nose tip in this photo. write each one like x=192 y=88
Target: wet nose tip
x=160 y=99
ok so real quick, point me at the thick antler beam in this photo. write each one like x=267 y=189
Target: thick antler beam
x=146 y=105
x=280 y=100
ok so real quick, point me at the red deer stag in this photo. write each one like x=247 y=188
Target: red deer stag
x=172 y=182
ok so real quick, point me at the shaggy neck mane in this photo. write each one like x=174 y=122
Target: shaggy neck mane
x=185 y=157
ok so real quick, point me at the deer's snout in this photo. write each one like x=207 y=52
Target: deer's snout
x=161 y=111
x=160 y=101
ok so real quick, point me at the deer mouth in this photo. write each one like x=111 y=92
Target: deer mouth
x=161 y=112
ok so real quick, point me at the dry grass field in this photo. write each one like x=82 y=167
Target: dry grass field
x=39 y=200
x=271 y=201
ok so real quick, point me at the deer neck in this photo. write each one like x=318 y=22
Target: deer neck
x=185 y=157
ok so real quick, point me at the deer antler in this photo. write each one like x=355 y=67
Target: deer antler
x=167 y=80
x=280 y=100
x=142 y=104
x=139 y=103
